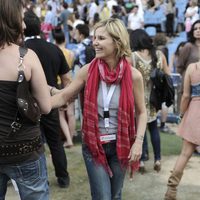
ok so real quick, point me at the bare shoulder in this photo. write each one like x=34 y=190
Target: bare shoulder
x=136 y=75
x=31 y=53
x=31 y=59
x=83 y=72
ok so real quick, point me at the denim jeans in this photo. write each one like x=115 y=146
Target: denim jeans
x=145 y=150
x=30 y=177
x=102 y=186
x=155 y=140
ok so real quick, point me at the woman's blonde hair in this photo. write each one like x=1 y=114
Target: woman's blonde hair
x=119 y=33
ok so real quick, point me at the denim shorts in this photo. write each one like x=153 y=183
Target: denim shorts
x=30 y=177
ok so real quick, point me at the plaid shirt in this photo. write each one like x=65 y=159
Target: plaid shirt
x=80 y=52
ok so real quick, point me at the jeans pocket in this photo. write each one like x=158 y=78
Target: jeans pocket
x=30 y=171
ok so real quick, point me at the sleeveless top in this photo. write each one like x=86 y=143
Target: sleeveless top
x=28 y=131
x=144 y=66
x=195 y=83
x=113 y=110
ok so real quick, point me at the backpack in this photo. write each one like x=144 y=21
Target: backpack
x=89 y=53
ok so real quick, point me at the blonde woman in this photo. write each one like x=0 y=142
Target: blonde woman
x=113 y=91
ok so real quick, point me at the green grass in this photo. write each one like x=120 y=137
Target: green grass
x=79 y=187
x=170 y=144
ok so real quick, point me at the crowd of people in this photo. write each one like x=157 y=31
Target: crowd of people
x=115 y=54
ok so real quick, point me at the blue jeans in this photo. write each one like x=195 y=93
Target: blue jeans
x=155 y=140
x=30 y=177
x=102 y=186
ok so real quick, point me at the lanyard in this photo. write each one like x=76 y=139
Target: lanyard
x=107 y=95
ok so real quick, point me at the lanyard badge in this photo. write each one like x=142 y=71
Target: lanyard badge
x=107 y=95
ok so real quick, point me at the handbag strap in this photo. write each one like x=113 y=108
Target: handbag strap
x=22 y=51
x=17 y=123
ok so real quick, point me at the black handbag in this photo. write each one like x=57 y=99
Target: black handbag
x=28 y=107
x=162 y=89
x=156 y=77
x=27 y=104
x=169 y=91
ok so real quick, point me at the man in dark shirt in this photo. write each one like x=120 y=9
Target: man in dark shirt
x=54 y=65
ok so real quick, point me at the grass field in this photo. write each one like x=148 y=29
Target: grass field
x=79 y=187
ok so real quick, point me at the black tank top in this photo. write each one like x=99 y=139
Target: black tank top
x=8 y=110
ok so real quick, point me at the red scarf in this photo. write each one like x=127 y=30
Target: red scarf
x=98 y=69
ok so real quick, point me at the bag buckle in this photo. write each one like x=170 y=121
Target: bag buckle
x=15 y=126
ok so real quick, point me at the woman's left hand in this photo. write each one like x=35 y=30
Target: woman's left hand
x=136 y=151
x=54 y=91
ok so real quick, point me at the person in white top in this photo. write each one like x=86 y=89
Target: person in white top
x=140 y=7
x=93 y=8
x=55 y=4
x=50 y=16
x=191 y=14
x=135 y=20
x=77 y=20
x=110 y=4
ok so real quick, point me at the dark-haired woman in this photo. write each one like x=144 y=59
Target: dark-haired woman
x=175 y=56
x=21 y=149
x=145 y=58
x=190 y=53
